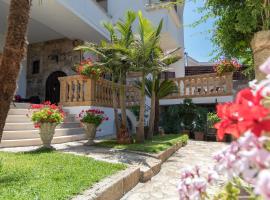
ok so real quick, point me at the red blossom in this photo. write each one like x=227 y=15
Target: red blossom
x=246 y=113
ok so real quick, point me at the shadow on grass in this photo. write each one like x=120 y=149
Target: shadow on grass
x=40 y=150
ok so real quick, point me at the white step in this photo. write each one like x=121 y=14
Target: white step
x=25 y=119
x=37 y=141
x=30 y=134
x=30 y=126
x=20 y=105
x=17 y=118
x=19 y=111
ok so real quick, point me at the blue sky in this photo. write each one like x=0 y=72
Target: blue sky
x=197 y=41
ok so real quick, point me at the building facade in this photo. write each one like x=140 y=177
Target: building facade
x=57 y=26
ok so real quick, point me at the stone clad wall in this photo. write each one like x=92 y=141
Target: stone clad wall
x=55 y=55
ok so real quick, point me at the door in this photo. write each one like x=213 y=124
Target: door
x=53 y=87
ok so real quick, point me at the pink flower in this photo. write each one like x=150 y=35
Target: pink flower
x=263 y=184
x=265 y=67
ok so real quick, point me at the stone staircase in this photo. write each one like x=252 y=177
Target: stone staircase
x=20 y=131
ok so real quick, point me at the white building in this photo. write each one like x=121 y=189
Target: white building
x=55 y=28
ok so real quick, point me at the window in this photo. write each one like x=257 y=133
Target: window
x=35 y=67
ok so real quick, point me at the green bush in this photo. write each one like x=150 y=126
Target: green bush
x=186 y=116
x=200 y=119
x=212 y=119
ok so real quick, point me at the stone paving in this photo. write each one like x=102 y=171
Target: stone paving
x=164 y=185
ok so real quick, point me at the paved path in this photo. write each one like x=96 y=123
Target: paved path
x=164 y=185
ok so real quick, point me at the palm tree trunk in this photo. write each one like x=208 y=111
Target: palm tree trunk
x=115 y=106
x=153 y=109
x=123 y=101
x=13 y=53
x=140 y=130
x=156 y=123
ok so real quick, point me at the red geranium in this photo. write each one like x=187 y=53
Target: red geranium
x=246 y=113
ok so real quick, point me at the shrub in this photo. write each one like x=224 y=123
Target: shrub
x=200 y=119
x=186 y=116
x=87 y=68
x=212 y=119
x=93 y=116
x=224 y=66
x=46 y=113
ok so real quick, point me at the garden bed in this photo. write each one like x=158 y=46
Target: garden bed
x=50 y=175
x=156 y=145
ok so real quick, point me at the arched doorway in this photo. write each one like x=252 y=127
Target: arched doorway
x=53 y=87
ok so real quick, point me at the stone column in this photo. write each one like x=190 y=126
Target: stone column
x=260 y=45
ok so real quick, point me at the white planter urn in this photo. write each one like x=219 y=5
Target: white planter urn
x=46 y=132
x=90 y=131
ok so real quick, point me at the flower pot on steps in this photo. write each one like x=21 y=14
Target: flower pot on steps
x=90 y=131
x=46 y=132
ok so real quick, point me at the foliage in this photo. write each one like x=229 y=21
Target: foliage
x=93 y=116
x=163 y=88
x=200 y=119
x=186 y=116
x=135 y=110
x=46 y=113
x=156 y=145
x=212 y=119
x=225 y=65
x=50 y=175
x=236 y=22
x=87 y=68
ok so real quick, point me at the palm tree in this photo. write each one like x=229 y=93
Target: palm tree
x=113 y=57
x=163 y=61
x=162 y=89
x=13 y=53
x=144 y=51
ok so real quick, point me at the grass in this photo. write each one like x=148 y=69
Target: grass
x=158 y=144
x=49 y=175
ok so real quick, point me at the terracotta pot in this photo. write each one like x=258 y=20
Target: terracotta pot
x=199 y=136
x=90 y=131
x=46 y=132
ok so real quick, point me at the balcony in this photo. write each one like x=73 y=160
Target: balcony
x=79 y=91
x=205 y=85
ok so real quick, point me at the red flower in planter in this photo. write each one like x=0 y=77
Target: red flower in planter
x=246 y=113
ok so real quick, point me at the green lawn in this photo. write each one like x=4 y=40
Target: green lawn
x=158 y=144
x=49 y=175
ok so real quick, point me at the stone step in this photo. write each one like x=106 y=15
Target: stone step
x=30 y=126
x=20 y=105
x=25 y=119
x=18 y=111
x=37 y=141
x=31 y=134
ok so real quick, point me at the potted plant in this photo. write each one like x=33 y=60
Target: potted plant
x=90 y=120
x=212 y=119
x=200 y=123
x=226 y=66
x=46 y=117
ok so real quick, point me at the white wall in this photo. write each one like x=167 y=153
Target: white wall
x=198 y=100
x=21 y=81
x=107 y=127
x=173 y=31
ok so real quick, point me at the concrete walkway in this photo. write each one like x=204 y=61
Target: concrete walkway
x=164 y=185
